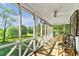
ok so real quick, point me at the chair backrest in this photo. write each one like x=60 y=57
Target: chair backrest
x=71 y=40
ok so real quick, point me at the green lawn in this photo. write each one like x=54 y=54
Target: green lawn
x=16 y=39
x=4 y=51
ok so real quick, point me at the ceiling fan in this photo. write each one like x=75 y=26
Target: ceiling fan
x=57 y=14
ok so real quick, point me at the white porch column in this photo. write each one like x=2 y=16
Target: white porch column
x=41 y=34
x=20 y=23
x=41 y=28
x=34 y=31
x=52 y=31
x=45 y=35
x=47 y=32
x=45 y=29
x=48 y=29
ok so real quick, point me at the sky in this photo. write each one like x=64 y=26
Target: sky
x=27 y=18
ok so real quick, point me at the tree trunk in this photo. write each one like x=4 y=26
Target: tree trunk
x=5 y=21
x=4 y=35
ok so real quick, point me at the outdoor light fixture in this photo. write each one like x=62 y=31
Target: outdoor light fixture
x=55 y=13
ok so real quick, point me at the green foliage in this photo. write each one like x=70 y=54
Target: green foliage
x=1 y=33
x=67 y=28
x=7 y=16
x=38 y=29
x=7 y=12
x=12 y=32
x=58 y=29
x=61 y=29
x=30 y=30
x=24 y=30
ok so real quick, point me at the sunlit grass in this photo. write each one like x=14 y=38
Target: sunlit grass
x=16 y=39
x=5 y=51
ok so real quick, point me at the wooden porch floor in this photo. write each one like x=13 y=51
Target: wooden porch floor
x=53 y=49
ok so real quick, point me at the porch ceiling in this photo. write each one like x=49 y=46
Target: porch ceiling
x=47 y=10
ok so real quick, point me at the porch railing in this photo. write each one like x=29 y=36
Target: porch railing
x=39 y=42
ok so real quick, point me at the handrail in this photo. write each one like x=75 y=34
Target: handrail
x=16 y=44
x=10 y=44
x=37 y=49
x=7 y=45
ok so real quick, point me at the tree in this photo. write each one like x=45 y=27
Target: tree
x=58 y=29
x=7 y=14
x=38 y=29
x=23 y=30
x=67 y=28
x=1 y=33
x=30 y=30
x=12 y=32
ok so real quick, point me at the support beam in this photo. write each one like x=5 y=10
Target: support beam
x=20 y=23
x=39 y=16
x=49 y=29
x=45 y=29
x=41 y=34
x=41 y=28
x=52 y=31
x=34 y=32
x=45 y=32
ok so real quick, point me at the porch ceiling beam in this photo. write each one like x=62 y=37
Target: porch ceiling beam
x=33 y=12
x=46 y=11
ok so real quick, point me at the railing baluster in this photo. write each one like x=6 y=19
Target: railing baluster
x=41 y=45
x=27 y=48
x=20 y=47
x=12 y=50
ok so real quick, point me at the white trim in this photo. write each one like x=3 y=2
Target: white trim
x=41 y=28
x=34 y=32
x=20 y=23
x=27 y=48
x=45 y=29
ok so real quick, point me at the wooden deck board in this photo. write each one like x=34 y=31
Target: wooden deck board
x=49 y=49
